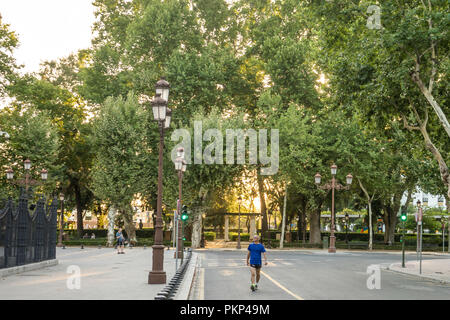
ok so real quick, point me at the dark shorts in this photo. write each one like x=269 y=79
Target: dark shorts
x=120 y=242
x=256 y=266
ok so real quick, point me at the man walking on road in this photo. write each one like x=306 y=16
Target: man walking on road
x=254 y=255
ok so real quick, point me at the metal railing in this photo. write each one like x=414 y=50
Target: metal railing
x=27 y=236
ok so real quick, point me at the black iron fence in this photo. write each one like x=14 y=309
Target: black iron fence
x=27 y=236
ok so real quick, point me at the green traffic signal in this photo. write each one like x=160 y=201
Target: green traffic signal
x=184 y=213
x=403 y=217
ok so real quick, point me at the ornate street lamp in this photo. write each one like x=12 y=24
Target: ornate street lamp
x=332 y=186
x=239 y=224
x=163 y=117
x=162 y=88
x=27 y=181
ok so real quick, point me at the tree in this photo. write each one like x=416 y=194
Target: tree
x=8 y=67
x=119 y=139
x=32 y=137
x=393 y=72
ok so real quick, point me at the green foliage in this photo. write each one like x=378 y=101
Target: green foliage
x=234 y=236
x=8 y=42
x=210 y=236
x=119 y=144
x=32 y=137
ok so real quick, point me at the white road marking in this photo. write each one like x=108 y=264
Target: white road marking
x=281 y=286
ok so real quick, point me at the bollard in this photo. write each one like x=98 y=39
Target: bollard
x=145 y=247
x=99 y=246
x=82 y=247
x=63 y=246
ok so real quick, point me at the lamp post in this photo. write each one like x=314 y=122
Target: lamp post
x=346 y=227
x=239 y=224
x=180 y=167
x=420 y=226
x=332 y=186
x=162 y=115
x=61 y=222
x=28 y=181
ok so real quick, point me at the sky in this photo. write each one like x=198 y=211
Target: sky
x=48 y=29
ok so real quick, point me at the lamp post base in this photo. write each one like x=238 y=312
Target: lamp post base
x=157 y=277
x=332 y=248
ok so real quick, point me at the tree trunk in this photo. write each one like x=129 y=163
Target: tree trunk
x=283 y=221
x=370 y=226
x=369 y=202
x=443 y=169
x=129 y=226
x=80 y=227
x=111 y=218
x=390 y=221
x=196 y=229
x=437 y=109
x=264 y=226
x=314 y=226
x=304 y=219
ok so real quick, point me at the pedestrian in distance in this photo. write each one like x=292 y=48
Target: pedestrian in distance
x=254 y=260
x=120 y=241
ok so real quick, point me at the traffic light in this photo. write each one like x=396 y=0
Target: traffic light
x=184 y=213
x=403 y=216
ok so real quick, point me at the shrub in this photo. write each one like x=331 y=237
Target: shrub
x=103 y=233
x=234 y=236
x=210 y=236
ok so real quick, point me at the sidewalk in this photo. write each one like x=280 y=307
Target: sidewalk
x=104 y=275
x=437 y=269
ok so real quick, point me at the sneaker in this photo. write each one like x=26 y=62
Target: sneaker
x=252 y=287
x=256 y=286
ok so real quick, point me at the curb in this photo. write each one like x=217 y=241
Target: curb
x=28 y=267
x=421 y=276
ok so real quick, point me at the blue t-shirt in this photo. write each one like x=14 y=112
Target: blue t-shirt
x=255 y=252
x=120 y=235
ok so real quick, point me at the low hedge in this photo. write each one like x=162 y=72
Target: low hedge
x=234 y=236
x=103 y=242
x=210 y=236
x=103 y=233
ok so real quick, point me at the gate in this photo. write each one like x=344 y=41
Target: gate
x=27 y=237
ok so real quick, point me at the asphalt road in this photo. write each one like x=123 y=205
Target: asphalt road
x=303 y=275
